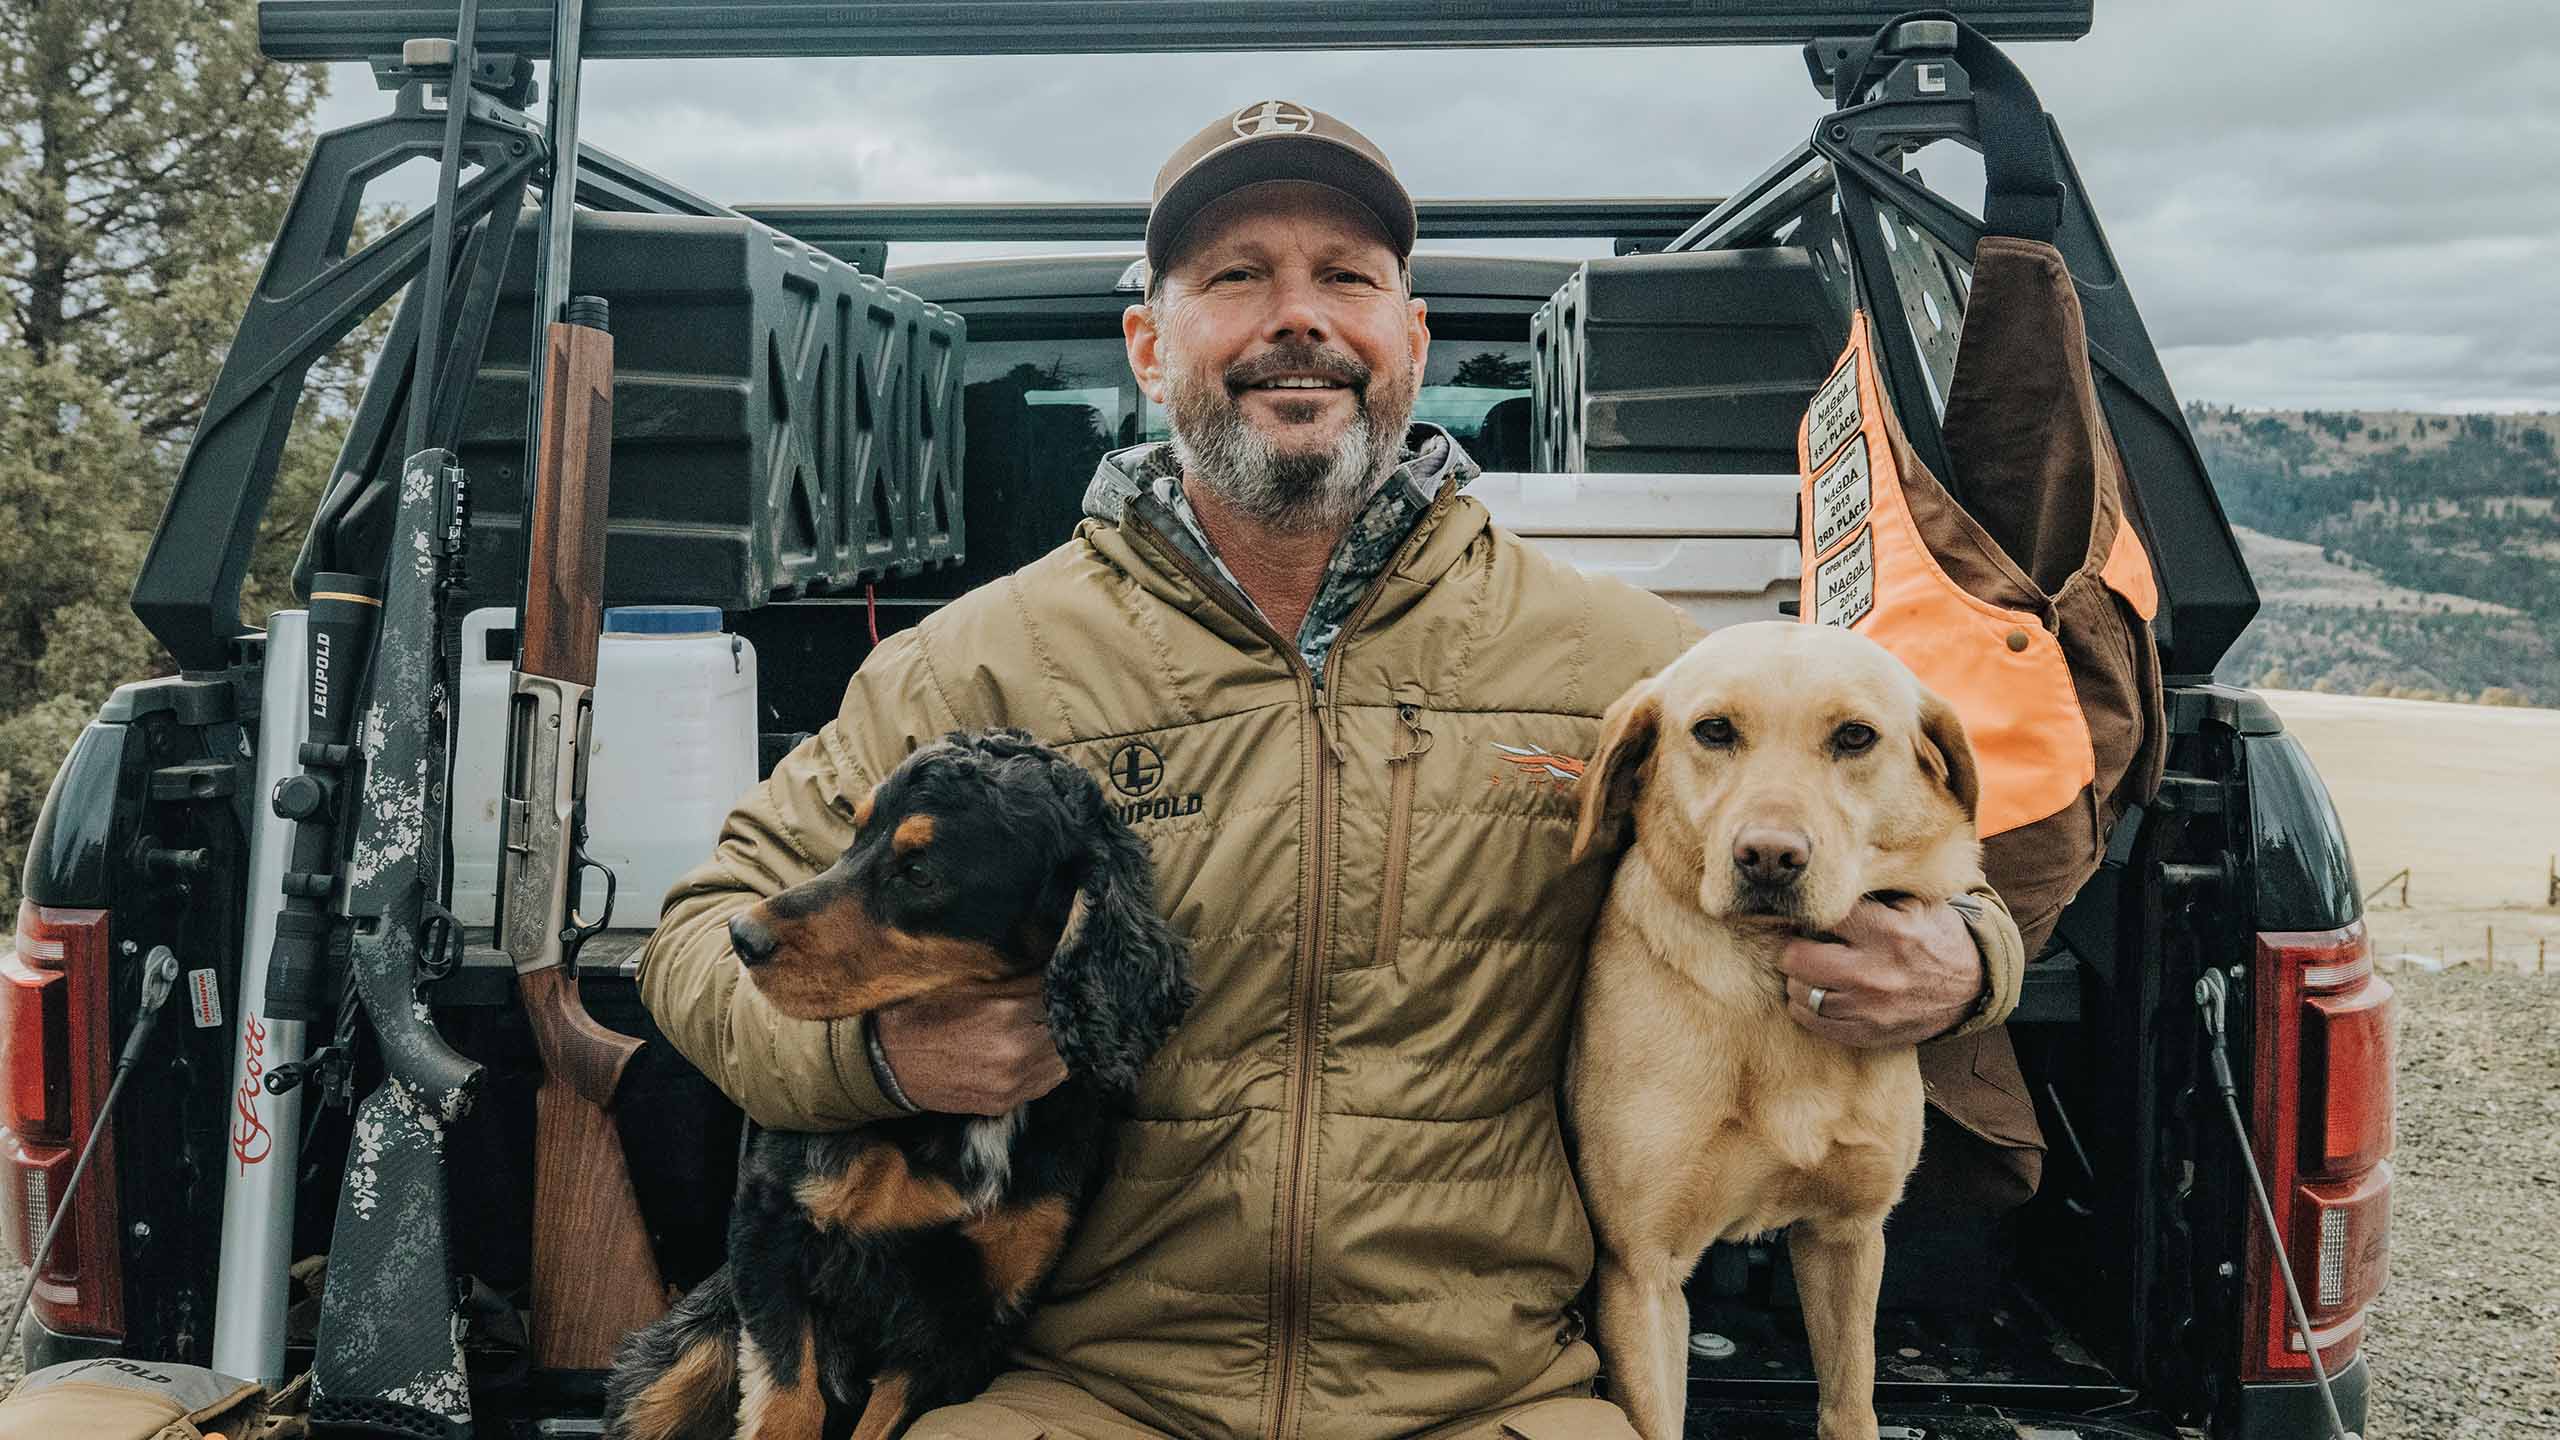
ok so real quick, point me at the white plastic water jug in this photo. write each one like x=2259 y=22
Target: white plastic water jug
x=672 y=752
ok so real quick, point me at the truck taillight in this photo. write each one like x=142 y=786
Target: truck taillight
x=35 y=1024
x=53 y=990
x=2324 y=1130
x=2346 y=1073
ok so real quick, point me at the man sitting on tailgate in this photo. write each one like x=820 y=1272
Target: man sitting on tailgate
x=1343 y=1206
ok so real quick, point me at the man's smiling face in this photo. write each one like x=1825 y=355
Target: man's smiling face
x=1284 y=342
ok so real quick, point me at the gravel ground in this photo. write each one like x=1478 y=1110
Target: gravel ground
x=2466 y=1339
x=2465 y=1343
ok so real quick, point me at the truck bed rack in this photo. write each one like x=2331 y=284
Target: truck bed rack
x=849 y=232
x=663 y=29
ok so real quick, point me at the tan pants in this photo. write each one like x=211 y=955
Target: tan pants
x=1028 y=1406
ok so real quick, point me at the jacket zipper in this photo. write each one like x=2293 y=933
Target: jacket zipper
x=1293 y=1318
x=1308 y=993
x=1403 y=766
x=1300 y=1147
x=1324 y=731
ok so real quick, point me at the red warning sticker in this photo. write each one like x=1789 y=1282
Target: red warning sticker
x=204 y=996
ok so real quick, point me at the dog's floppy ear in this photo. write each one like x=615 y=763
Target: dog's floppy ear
x=1611 y=780
x=1120 y=978
x=1945 y=753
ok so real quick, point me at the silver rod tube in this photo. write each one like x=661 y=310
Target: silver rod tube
x=266 y=1130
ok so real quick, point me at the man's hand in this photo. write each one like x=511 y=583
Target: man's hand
x=972 y=1049
x=1901 y=972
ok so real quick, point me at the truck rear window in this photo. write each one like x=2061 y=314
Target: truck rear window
x=1073 y=401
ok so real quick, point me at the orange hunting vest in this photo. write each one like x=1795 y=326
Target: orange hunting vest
x=1875 y=526
x=2028 y=608
x=1867 y=568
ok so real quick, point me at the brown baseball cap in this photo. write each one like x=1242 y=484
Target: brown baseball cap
x=1274 y=140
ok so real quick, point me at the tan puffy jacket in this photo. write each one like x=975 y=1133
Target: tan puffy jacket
x=1344 y=1207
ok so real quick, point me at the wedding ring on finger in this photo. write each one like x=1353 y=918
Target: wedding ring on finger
x=1813 y=999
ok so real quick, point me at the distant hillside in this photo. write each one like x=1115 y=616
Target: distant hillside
x=2424 y=556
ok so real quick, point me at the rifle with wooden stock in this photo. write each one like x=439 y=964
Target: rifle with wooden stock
x=595 y=1277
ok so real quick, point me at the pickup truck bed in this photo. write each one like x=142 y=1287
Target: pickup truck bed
x=2128 y=1298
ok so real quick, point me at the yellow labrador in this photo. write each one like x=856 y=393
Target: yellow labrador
x=1775 y=773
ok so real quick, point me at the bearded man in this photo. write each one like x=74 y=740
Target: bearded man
x=1342 y=1207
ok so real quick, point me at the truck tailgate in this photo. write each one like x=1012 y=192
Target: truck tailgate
x=1939 y=1422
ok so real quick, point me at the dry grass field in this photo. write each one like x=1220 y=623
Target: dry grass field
x=2298 y=572
x=2466 y=799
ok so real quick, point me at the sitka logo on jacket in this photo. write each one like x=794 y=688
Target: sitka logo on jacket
x=1137 y=771
x=1543 y=768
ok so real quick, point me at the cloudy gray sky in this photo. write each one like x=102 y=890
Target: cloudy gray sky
x=2329 y=203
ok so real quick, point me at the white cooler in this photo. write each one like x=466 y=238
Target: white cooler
x=1721 y=547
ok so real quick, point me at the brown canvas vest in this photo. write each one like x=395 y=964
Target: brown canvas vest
x=2029 y=611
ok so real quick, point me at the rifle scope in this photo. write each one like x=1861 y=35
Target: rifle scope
x=343 y=610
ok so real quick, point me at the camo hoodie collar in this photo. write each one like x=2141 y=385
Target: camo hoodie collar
x=1147 y=480
x=1431 y=457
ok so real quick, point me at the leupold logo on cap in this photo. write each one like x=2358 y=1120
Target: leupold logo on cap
x=1273 y=117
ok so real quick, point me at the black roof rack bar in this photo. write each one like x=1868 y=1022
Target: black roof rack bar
x=609 y=182
x=666 y=29
x=1653 y=219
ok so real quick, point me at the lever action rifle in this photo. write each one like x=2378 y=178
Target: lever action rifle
x=595 y=1277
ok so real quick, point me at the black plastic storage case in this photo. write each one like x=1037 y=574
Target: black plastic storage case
x=782 y=423
x=1696 y=363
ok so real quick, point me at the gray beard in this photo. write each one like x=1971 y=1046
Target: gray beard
x=1295 y=492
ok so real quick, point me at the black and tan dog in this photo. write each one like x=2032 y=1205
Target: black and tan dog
x=886 y=1270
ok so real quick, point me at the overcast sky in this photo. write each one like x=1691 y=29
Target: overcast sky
x=2325 y=203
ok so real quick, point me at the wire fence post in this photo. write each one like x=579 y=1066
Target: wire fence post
x=2401 y=879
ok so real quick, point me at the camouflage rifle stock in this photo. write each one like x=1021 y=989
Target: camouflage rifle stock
x=389 y=1353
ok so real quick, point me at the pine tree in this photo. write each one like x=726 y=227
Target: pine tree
x=147 y=154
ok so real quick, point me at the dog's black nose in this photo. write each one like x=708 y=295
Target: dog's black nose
x=753 y=942
x=1771 y=856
